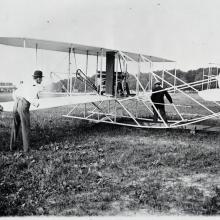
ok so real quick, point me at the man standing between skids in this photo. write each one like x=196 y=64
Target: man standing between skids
x=25 y=96
x=157 y=98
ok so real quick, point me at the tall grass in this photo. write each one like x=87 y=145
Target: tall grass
x=79 y=168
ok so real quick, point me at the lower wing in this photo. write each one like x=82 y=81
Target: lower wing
x=54 y=102
x=210 y=95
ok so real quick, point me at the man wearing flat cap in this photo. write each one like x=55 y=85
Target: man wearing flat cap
x=24 y=96
x=157 y=98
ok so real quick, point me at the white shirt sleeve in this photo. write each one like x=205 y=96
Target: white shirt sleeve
x=29 y=92
x=18 y=92
x=14 y=94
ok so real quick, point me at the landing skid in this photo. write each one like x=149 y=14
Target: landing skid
x=135 y=112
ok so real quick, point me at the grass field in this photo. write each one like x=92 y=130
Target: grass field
x=79 y=168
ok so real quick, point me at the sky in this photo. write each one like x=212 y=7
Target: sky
x=185 y=31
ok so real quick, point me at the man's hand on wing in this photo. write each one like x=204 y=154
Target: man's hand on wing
x=36 y=104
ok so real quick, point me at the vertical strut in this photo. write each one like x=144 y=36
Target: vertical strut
x=87 y=56
x=69 y=89
x=36 y=56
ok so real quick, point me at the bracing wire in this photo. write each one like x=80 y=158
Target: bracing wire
x=85 y=79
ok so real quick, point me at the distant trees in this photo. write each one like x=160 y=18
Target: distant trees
x=6 y=87
x=78 y=85
x=188 y=77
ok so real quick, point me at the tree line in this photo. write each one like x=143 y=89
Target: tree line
x=188 y=77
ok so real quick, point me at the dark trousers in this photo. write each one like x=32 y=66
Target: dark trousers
x=21 y=117
x=123 y=87
x=119 y=88
x=161 y=110
x=126 y=88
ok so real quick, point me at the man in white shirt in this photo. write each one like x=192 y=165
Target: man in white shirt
x=25 y=96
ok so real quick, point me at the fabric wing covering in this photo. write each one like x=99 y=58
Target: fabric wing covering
x=210 y=95
x=46 y=103
x=65 y=47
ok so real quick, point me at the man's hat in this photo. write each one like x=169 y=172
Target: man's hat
x=38 y=74
x=157 y=82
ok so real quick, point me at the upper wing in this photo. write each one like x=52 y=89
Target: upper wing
x=66 y=47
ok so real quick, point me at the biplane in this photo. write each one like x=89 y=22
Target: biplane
x=103 y=103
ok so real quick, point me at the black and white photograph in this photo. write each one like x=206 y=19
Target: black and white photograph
x=110 y=109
